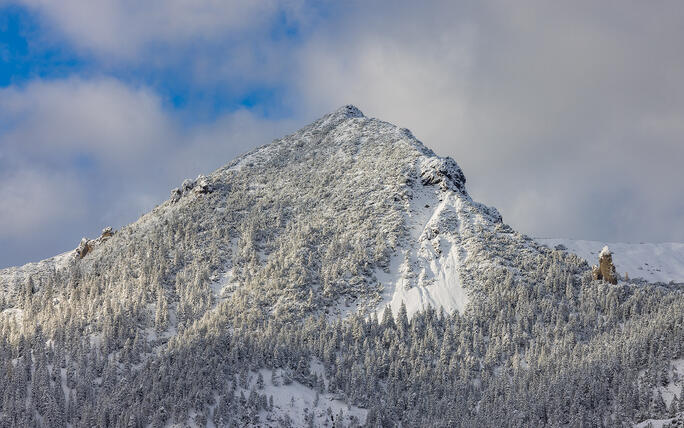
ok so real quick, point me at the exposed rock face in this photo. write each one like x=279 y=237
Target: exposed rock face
x=187 y=185
x=87 y=245
x=443 y=171
x=107 y=233
x=84 y=248
x=606 y=269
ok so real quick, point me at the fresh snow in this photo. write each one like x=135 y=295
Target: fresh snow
x=661 y=262
x=673 y=388
x=660 y=423
x=13 y=278
x=15 y=313
x=427 y=272
x=605 y=252
x=294 y=400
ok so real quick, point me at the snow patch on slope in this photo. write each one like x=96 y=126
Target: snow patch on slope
x=16 y=313
x=662 y=262
x=426 y=273
x=674 y=386
x=662 y=423
x=295 y=400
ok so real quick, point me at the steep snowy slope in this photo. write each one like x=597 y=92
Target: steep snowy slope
x=661 y=262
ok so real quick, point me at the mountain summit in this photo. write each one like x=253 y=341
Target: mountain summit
x=348 y=213
x=258 y=295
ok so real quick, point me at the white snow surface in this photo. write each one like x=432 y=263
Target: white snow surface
x=660 y=423
x=605 y=251
x=654 y=262
x=673 y=387
x=427 y=273
x=295 y=399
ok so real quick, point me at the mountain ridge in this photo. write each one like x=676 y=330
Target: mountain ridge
x=346 y=123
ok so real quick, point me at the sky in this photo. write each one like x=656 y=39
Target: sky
x=566 y=116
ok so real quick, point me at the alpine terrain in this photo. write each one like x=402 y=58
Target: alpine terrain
x=339 y=276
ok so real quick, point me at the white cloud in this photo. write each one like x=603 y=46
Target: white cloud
x=31 y=199
x=124 y=29
x=101 y=117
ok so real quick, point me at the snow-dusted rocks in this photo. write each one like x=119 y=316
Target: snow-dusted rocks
x=199 y=186
x=349 y=111
x=83 y=248
x=176 y=194
x=444 y=172
x=107 y=233
x=605 y=270
x=653 y=262
x=87 y=245
x=605 y=252
x=187 y=185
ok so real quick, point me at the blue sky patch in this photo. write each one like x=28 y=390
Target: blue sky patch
x=25 y=56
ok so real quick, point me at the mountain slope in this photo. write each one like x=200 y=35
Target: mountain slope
x=283 y=262
x=347 y=208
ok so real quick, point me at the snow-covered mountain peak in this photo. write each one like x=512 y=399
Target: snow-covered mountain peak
x=347 y=214
x=348 y=111
x=341 y=115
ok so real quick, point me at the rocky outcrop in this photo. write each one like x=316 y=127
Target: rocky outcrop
x=107 y=233
x=187 y=185
x=606 y=269
x=176 y=194
x=84 y=247
x=444 y=172
x=200 y=185
x=87 y=245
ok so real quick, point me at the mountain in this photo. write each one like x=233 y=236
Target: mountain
x=352 y=212
x=258 y=296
